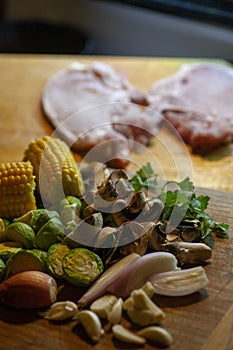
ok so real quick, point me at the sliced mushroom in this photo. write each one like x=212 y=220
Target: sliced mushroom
x=136 y=204
x=124 y=189
x=188 y=253
x=95 y=219
x=152 y=210
x=106 y=238
x=105 y=195
x=117 y=212
x=157 y=237
x=132 y=237
x=89 y=210
x=117 y=174
x=189 y=230
x=86 y=232
x=107 y=191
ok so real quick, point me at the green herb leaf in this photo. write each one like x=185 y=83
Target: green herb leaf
x=181 y=203
x=144 y=178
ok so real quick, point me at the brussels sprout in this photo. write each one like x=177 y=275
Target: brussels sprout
x=44 y=217
x=9 y=248
x=42 y=254
x=37 y=218
x=70 y=207
x=21 y=232
x=3 y=225
x=2 y=270
x=52 y=232
x=70 y=200
x=23 y=260
x=30 y=217
x=68 y=213
x=81 y=266
x=55 y=255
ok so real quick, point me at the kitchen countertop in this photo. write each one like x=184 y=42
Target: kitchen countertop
x=191 y=320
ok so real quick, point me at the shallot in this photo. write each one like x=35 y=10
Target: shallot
x=128 y=274
x=180 y=282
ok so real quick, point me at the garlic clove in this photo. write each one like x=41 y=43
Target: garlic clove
x=143 y=302
x=103 y=305
x=91 y=323
x=29 y=289
x=61 y=310
x=126 y=336
x=115 y=315
x=148 y=288
x=157 y=334
x=142 y=318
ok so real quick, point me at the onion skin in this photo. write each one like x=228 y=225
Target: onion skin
x=28 y=289
x=137 y=274
x=99 y=287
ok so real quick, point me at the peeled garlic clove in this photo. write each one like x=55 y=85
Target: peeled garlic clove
x=115 y=315
x=103 y=306
x=142 y=318
x=143 y=302
x=126 y=336
x=157 y=334
x=29 y=289
x=61 y=310
x=91 y=323
x=148 y=288
x=128 y=303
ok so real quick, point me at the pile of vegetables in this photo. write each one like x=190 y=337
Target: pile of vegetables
x=121 y=234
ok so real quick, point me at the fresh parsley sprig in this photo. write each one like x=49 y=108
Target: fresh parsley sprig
x=181 y=202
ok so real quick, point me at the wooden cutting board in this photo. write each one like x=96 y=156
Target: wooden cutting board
x=191 y=320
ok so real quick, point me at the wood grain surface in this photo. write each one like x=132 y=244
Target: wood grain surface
x=21 y=118
x=191 y=320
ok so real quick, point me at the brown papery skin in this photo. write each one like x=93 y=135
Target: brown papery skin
x=28 y=289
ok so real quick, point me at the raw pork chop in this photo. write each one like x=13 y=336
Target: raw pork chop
x=92 y=104
x=198 y=101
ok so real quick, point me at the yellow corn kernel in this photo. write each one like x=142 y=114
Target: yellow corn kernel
x=56 y=171
x=17 y=185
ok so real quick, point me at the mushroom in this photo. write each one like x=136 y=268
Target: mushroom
x=118 y=174
x=134 y=237
x=188 y=253
x=89 y=210
x=105 y=195
x=153 y=209
x=156 y=235
x=189 y=230
x=86 y=231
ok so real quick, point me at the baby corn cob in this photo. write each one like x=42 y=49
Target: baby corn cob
x=57 y=174
x=16 y=189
